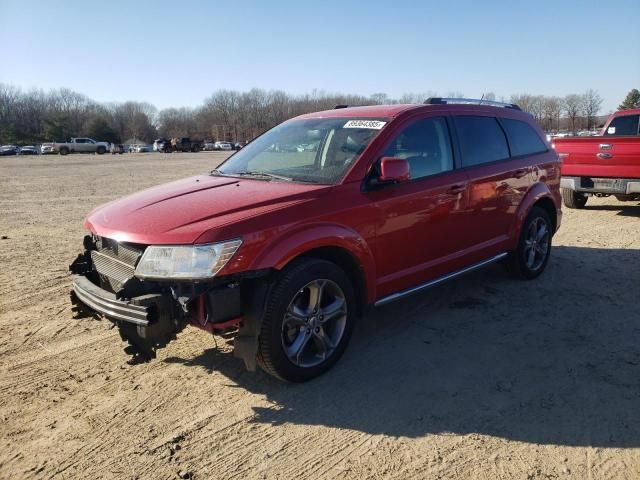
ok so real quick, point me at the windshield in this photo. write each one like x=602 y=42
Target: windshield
x=308 y=151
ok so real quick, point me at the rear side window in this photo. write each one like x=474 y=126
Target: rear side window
x=522 y=138
x=626 y=125
x=481 y=140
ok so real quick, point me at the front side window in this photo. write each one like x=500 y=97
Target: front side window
x=318 y=150
x=481 y=140
x=523 y=139
x=625 y=125
x=425 y=144
x=80 y=140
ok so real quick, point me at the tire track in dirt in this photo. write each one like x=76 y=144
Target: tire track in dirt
x=404 y=402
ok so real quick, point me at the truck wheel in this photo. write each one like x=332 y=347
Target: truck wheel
x=628 y=198
x=534 y=246
x=308 y=320
x=101 y=150
x=64 y=151
x=573 y=199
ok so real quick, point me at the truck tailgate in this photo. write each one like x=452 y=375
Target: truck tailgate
x=607 y=156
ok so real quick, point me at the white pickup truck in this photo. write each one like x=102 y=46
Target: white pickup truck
x=81 y=145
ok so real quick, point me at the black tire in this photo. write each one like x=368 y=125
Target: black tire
x=634 y=197
x=64 y=151
x=101 y=150
x=289 y=287
x=519 y=262
x=573 y=199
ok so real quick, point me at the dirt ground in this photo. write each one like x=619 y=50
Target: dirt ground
x=481 y=378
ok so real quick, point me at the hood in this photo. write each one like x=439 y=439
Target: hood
x=180 y=212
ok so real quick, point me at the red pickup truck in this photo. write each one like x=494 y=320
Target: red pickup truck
x=608 y=164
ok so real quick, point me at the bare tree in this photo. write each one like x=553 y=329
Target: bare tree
x=572 y=106
x=551 y=109
x=37 y=115
x=591 y=104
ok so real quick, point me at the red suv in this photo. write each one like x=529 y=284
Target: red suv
x=289 y=240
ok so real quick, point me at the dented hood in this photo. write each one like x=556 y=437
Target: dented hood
x=180 y=212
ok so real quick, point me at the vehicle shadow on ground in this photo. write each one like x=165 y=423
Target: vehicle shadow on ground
x=551 y=361
x=630 y=210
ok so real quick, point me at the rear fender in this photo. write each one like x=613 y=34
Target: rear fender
x=294 y=243
x=535 y=194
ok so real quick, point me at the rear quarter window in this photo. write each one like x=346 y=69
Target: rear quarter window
x=523 y=139
x=481 y=140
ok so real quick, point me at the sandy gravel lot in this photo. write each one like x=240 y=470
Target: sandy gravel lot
x=482 y=378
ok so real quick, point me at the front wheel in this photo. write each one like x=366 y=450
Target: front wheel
x=101 y=150
x=308 y=320
x=534 y=246
x=573 y=199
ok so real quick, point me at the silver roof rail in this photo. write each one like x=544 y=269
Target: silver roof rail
x=469 y=101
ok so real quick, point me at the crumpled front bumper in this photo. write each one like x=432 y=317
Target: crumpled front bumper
x=143 y=310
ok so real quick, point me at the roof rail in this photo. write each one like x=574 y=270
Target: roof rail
x=341 y=106
x=469 y=101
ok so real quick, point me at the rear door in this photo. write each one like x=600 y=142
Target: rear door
x=497 y=184
x=86 y=145
x=79 y=145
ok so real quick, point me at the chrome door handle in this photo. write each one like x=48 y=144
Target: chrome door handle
x=604 y=156
x=606 y=146
x=520 y=172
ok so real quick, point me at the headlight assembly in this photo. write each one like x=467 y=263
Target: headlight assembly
x=191 y=262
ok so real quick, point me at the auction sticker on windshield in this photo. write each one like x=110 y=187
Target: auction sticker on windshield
x=372 y=124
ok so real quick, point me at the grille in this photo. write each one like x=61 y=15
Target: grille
x=115 y=262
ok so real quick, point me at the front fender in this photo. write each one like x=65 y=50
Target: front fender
x=533 y=195
x=282 y=249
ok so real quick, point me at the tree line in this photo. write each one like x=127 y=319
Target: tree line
x=37 y=116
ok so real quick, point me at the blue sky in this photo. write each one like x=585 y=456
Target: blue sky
x=177 y=53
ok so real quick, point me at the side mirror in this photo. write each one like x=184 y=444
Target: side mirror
x=394 y=169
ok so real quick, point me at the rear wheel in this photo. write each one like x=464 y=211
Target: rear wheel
x=628 y=198
x=64 y=151
x=573 y=199
x=308 y=320
x=534 y=247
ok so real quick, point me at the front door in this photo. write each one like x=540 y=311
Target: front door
x=416 y=236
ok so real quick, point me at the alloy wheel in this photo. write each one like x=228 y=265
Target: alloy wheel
x=314 y=323
x=536 y=244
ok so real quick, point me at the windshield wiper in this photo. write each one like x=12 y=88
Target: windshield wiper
x=250 y=173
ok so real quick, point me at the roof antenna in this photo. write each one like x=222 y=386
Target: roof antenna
x=481 y=99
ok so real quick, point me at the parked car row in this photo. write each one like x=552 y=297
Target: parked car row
x=88 y=145
x=6 y=150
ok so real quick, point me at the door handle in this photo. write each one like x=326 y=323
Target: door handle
x=604 y=156
x=521 y=172
x=606 y=146
x=455 y=189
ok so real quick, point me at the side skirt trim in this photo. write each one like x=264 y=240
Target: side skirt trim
x=436 y=281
